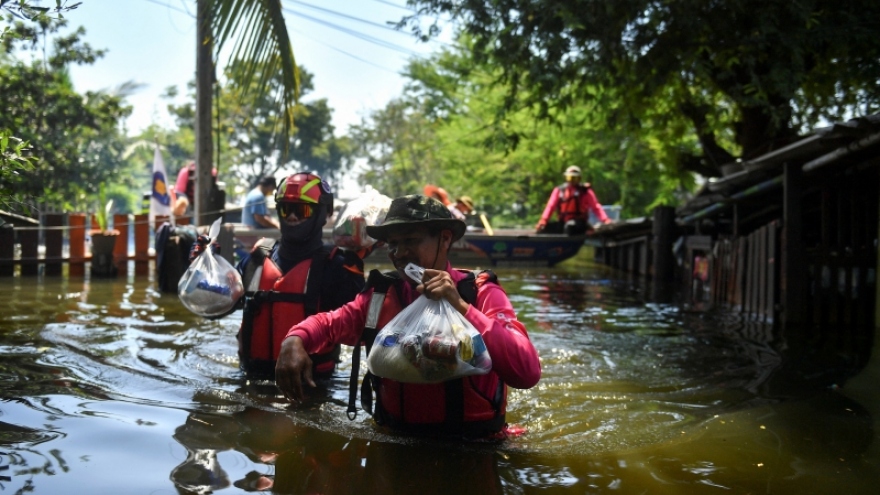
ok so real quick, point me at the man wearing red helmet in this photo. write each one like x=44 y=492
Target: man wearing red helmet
x=290 y=279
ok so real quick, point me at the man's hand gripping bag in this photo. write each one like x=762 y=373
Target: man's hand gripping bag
x=428 y=342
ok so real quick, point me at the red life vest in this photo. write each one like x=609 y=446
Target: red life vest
x=570 y=201
x=455 y=406
x=281 y=301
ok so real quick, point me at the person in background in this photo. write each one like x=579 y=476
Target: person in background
x=255 y=214
x=438 y=193
x=420 y=230
x=185 y=189
x=462 y=208
x=572 y=203
x=289 y=279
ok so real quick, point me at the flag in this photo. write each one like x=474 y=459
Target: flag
x=162 y=197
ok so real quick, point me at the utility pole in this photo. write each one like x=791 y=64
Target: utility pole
x=204 y=83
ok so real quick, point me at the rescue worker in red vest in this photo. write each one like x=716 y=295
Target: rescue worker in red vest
x=288 y=280
x=420 y=230
x=572 y=202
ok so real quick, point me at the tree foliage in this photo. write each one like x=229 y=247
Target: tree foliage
x=248 y=137
x=444 y=130
x=262 y=59
x=743 y=75
x=75 y=139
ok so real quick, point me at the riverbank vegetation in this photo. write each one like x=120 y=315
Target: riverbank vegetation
x=648 y=98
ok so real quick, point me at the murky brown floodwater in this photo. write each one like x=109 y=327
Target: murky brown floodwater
x=107 y=386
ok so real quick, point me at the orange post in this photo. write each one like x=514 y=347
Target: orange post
x=142 y=244
x=77 y=224
x=120 y=249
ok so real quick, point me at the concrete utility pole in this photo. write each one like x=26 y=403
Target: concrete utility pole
x=204 y=93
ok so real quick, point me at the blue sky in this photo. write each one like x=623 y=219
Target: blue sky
x=356 y=63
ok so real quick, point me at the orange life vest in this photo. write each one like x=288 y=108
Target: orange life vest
x=570 y=201
x=281 y=301
x=455 y=406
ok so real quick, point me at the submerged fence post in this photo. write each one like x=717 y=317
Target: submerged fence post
x=7 y=250
x=77 y=224
x=54 y=243
x=663 y=231
x=141 y=244
x=29 y=239
x=794 y=269
x=120 y=249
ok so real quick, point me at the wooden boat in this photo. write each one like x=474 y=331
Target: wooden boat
x=514 y=247
x=504 y=247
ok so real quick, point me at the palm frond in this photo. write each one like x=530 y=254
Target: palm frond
x=262 y=49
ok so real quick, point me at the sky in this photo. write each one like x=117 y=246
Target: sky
x=356 y=60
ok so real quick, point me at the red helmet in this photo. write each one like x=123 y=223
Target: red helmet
x=304 y=188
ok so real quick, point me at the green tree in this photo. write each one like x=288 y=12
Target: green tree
x=75 y=139
x=743 y=75
x=444 y=130
x=247 y=131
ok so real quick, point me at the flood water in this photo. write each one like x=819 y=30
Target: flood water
x=108 y=386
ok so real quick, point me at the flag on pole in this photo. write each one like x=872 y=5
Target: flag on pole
x=162 y=197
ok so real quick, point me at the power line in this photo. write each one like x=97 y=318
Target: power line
x=347 y=16
x=404 y=7
x=347 y=53
x=177 y=9
x=353 y=33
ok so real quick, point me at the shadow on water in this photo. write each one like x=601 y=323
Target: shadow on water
x=108 y=386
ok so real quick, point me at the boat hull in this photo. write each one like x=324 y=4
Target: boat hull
x=476 y=249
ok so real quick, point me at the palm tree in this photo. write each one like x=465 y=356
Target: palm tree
x=262 y=46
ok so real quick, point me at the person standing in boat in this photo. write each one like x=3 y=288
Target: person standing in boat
x=572 y=202
x=289 y=279
x=420 y=230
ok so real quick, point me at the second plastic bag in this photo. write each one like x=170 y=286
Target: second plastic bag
x=428 y=342
x=350 y=228
x=211 y=286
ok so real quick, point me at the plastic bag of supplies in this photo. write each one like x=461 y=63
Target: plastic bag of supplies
x=428 y=342
x=350 y=228
x=211 y=286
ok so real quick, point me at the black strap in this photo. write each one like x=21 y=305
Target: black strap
x=379 y=283
x=454 y=391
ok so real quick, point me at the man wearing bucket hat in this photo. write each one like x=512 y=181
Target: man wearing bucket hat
x=572 y=203
x=420 y=230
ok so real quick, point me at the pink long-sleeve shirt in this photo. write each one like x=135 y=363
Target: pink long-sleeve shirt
x=514 y=358
x=588 y=202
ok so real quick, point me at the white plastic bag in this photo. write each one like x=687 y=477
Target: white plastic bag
x=428 y=342
x=211 y=286
x=350 y=228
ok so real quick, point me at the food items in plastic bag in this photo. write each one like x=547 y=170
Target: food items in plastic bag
x=350 y=228
x=211 y=286
x=428 y=342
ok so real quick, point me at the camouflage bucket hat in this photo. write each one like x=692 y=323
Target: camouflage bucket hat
x=417 y=211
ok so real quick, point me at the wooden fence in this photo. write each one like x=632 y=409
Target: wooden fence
x=72 y=230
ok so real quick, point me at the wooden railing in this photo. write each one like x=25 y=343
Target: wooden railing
x=74 y=228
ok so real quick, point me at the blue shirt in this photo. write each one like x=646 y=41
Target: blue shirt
x=254 y=203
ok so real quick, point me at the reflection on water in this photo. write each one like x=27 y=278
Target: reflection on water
x=109 y=386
